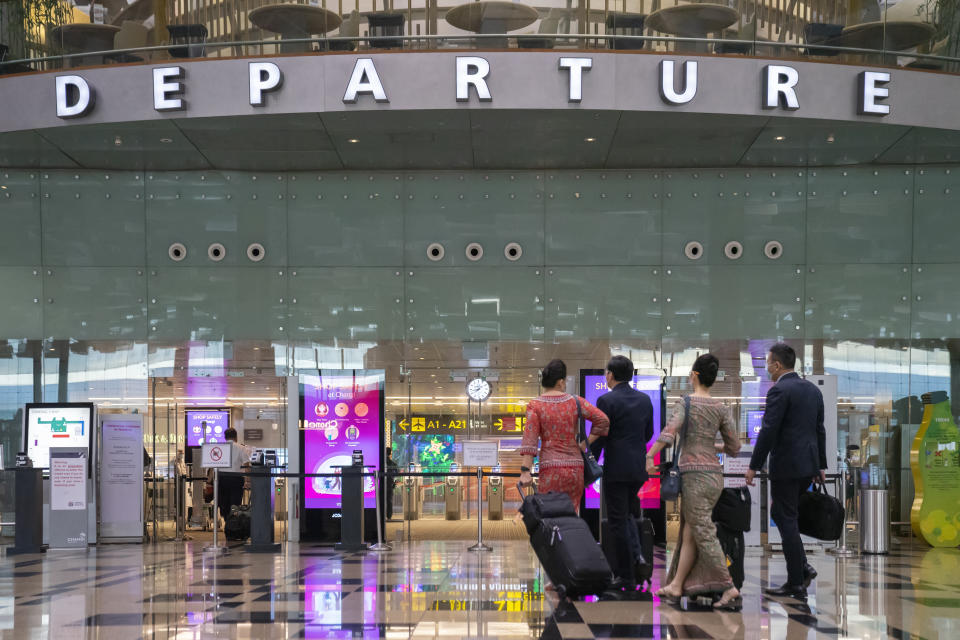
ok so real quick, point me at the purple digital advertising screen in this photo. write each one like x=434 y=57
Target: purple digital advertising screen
x=207 y=426
x=594 y=386
x=341 y=413
x=754 y=422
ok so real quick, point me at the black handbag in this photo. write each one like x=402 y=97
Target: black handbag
x=592 y=471
x=733 y=509
x=820 y=515
x=670 y=484
x=538 y=506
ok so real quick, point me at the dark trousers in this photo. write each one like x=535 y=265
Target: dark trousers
x=622 y=504
x=785 y=495
x=230 y=493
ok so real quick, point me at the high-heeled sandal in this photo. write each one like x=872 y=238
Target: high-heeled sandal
x=667 y=596
x=733 y=604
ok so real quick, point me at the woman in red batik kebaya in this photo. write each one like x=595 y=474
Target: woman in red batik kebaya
x=552 y=419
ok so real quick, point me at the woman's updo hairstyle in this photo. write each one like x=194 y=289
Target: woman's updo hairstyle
x=706 y=367
x=554 y=372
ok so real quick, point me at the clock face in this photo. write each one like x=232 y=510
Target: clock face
x=478 y=389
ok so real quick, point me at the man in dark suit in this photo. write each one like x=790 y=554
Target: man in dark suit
x=625 y=448
x=793 y=435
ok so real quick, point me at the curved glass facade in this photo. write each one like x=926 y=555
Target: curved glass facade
x=97 y=308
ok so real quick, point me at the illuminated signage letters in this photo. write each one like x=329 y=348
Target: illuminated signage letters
x=677 y=82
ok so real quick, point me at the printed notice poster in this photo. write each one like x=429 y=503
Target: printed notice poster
x=68 y=481
x=121 y=480
x=341 y=412
x=594 y=387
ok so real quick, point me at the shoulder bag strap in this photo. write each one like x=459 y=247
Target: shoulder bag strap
x=581 y=433
x=683 y=431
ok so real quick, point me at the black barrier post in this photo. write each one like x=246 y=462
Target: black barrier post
x=28 y=521
x=261 y=515
x=351 y=509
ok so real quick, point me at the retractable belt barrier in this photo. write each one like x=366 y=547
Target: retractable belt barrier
x=764 y=478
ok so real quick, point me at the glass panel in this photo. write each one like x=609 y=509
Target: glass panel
x=858 y=301
x=21 y=289
x=936 y=306
x=92 y=219
x=859 y=215
x=20 y=210
x=457 y=209
x=202 y=208
x=725 y=301
x=217 y=302
x=87 y=303
x=749 y=207
x=346 y=219
x=936 y=202
x=481 y=303
x=623 y=220
x=589 y=302
x=19 y=359
x=346 y=304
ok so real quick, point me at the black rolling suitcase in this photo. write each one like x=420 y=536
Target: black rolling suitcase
x=643 y=569
x=564 y=545
x=571 y=556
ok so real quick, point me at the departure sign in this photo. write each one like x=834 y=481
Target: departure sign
x=448 y=425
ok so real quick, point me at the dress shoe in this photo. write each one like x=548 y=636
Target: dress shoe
x=788 y=591
x=809 y=575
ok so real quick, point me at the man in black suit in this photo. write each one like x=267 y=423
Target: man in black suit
x=625 y=448
x=793 y=435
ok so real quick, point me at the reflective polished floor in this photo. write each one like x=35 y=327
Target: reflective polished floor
x=441 y=590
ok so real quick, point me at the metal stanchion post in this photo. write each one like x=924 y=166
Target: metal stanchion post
x=215 y=547
x=380 y=545
x=479 y=546
x=842 y=551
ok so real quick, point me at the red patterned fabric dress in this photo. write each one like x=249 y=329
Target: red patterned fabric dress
x=552 y=419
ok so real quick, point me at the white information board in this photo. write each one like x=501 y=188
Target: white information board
x=481 y=453
x=216 y=456
x=121 y=476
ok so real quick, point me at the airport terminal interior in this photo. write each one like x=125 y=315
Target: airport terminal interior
x=353 y=233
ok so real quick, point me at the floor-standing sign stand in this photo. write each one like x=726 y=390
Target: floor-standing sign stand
x=121 y=477
x=216 y=457
x=480 y=454
x=68 y=498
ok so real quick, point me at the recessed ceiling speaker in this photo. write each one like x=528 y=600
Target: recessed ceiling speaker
x=773 y=250
x=216 y=252
x=513 y=251
x=177 y=252
x=693 y=250
x=435 y=252
x=256 y=252
x=474 y=251
x=733 y=250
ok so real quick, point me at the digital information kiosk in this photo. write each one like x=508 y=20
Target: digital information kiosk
x=62 y=425
x=340 y=411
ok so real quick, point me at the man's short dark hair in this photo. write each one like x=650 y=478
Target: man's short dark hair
x=621 y=367
x=230 y=434
x=784 y=354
